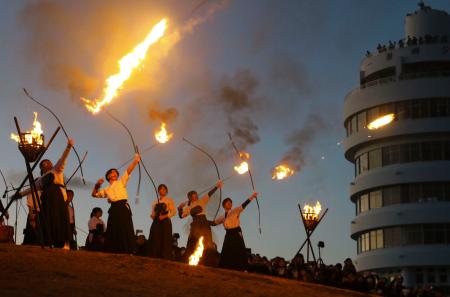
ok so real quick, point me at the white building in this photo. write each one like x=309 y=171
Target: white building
x=401 y=189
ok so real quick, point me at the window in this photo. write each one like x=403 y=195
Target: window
x=364 y=163
x=412 y=235
x=364 y=204
x=376 y=199
x=354 y=124
x=362 y=120
x=380 y=239
x=443 y=275
x=415 y=193
x=375 y=159
x=426 y=151
x=430 y=276
x=419 y=276
x=373 y=240
x=415 y=152
x=391 y=155
x=357 y=166
x=408 y=109
x=373 y=114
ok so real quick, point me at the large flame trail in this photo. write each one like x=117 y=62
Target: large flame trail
x=127 y=65
x=34 y=135
x=281 y=172
x=194 y=259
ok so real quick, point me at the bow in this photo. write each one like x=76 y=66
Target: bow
x=5 y=194
x=136 y=150
x=76 y=169
x=62 y=127
x=251 y=180
x=215 y=165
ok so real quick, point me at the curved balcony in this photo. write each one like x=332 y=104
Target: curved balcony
x=408 y=128
x=415 y=172
x=400 y=90
x=401 y=214
x=405 y=256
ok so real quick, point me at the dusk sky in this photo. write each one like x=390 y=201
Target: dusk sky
x=276 y=70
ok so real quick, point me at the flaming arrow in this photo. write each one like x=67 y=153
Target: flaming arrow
x=251 y=180
x=136 y=150
x=62 y=127
x=215 y=165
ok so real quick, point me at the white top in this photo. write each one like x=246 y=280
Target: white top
x=230 y=219
x=200 y=202
x=58 y=172
x=169 y=204
x=115 y=191
x=94 y=221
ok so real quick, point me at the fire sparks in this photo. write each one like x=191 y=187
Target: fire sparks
x=194 y=259
x=281 y=172
x=127 y=65
x=161 y=135
x=381 y=122
x=33 y=136
x=312 y=212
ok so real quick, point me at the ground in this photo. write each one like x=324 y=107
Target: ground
x=32 y=271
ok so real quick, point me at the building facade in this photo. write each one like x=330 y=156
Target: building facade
x=401 y=189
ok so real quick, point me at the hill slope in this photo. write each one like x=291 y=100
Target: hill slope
x=32 y=271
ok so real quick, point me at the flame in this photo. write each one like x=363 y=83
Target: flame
x=161 y=135
x=381 y=121
x=196 y=256
x=34 y=135
x=312 y=212
x=127 y=65
x=242 y=168
x=244 y=155
x=281 y=172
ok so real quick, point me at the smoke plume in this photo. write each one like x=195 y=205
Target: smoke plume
x=298 y=141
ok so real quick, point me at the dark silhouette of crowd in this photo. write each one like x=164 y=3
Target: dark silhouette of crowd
x=341 y=276
x=410 y=42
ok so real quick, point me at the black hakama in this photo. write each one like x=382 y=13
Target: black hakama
x=233 y=254
x=160 y=239
x=54 y=216
x=97 y=242
x=200 y=227
x=31 y=234
x=120 y=233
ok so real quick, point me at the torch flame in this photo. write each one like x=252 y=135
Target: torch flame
x=35 y=134
x=281 y=172
x=127 y=65
x=242 y=168
x=312 y=212
x=381 y=121
x=161 y=135
x=195 y=257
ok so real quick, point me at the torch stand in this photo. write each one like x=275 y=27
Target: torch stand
x=310 y=226
x=33 y=153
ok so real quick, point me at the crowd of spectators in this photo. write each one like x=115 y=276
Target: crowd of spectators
x=341 y=276
x=410 y=41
